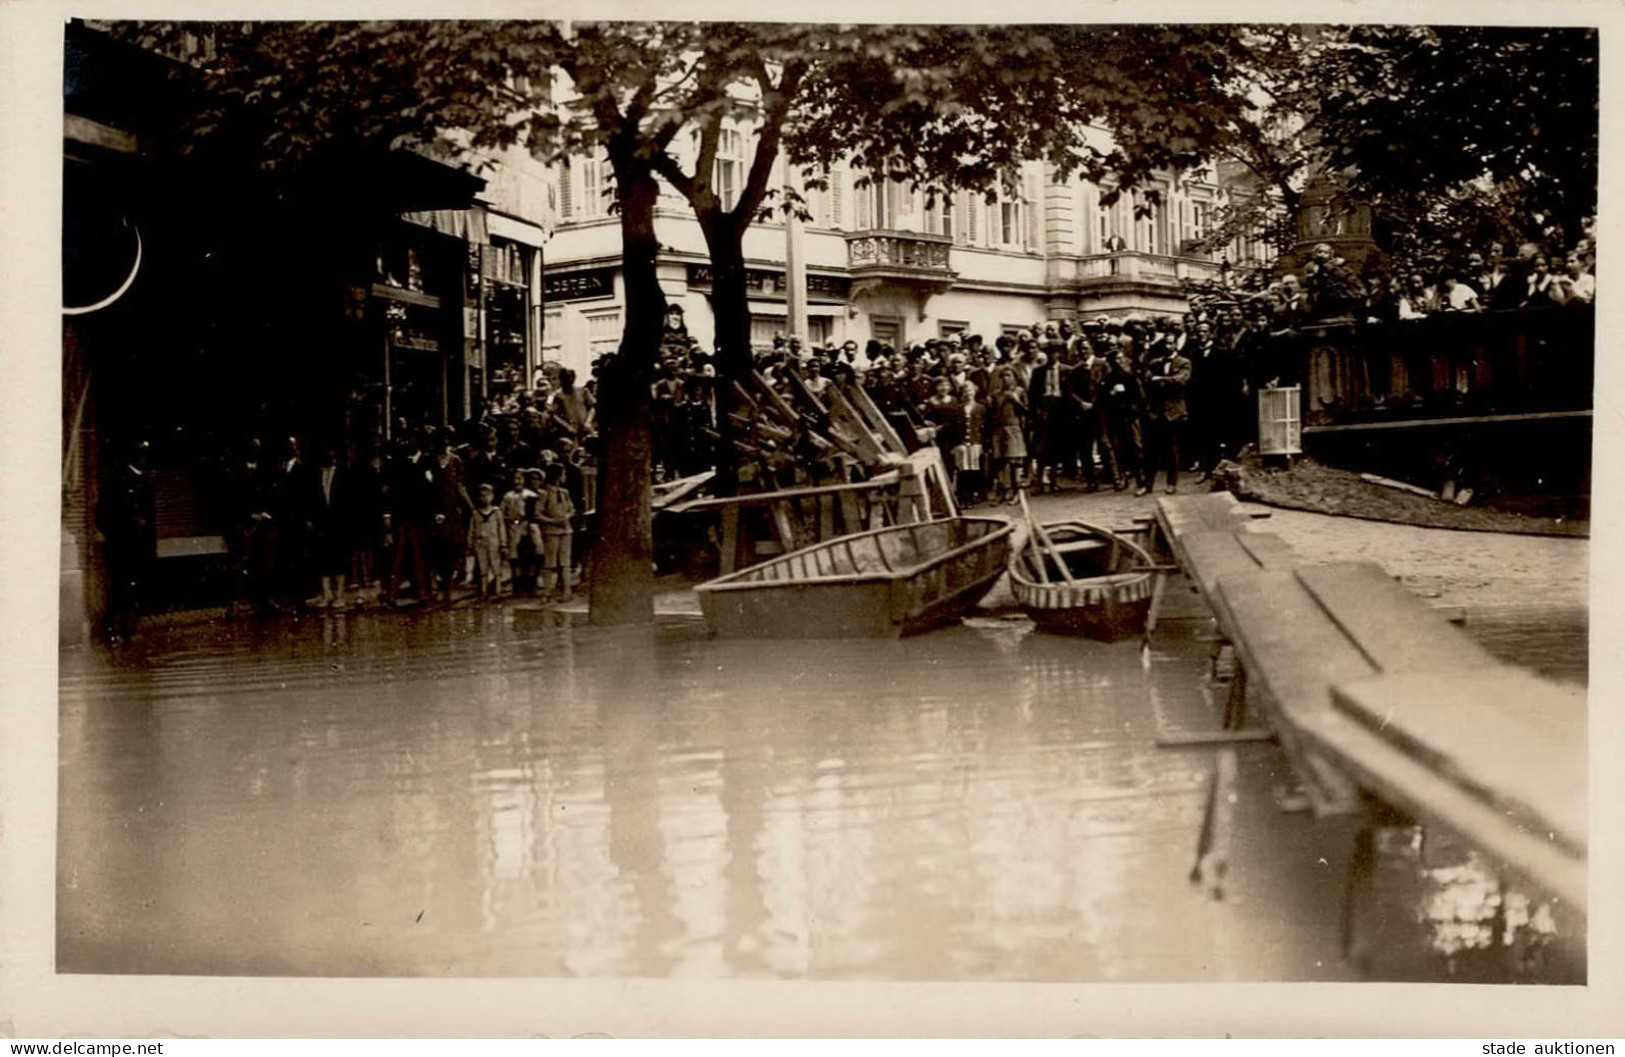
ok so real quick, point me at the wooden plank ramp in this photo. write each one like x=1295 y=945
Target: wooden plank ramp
x=1293 y=653
x=1375 y=696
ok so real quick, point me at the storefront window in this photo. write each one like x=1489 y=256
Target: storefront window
x=764 y=328
x=603 y=332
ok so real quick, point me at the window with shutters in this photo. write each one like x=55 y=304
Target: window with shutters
x=1032 y=192
x=1012 y=217
x=1103 y=225
x=1009 y=223
x=837 y=197
x=566 y=192
x=730 y=167
x=878 y=206
x=818 y=203
x=586 y=186
x=1198 y=220
x=973 y=216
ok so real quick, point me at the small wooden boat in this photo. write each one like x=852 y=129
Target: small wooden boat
x=1104 y=592
x=884 y=583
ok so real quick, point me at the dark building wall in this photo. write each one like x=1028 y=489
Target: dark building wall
x=239 y=320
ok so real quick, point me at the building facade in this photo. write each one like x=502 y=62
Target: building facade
x=886 y=263
x=207 y=301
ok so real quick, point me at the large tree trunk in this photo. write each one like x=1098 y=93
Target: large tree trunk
x=730 y=305
x=622 y=589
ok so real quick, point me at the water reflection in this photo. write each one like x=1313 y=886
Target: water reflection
x=484 y=791
x=1444 y=911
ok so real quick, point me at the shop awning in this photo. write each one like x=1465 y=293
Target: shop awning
x=469 y=224
x=514 y=230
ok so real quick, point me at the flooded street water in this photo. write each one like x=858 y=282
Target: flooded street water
x=476 y=791
x=491 y=791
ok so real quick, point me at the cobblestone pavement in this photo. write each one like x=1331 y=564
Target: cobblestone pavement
x=1470 y=569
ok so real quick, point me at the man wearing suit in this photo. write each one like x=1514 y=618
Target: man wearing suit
x=1513 y=289
x=1086 y=412
x=409 y=502
x=1122 y=396
x=1166 y=382
x=291 y=514
x=332 y=527
x=1046 y=428
x=449 y=508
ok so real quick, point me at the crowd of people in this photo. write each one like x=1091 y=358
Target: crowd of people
x=1388 y=290
x=492 y=506
x=1108 y=403
x=1112 y=402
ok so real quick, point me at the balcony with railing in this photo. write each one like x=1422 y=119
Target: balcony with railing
x=1133 y=266
x=909 y=259
x=899 y=255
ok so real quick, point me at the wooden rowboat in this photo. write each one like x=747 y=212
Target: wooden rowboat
x=883 y=583
x=1112 y=581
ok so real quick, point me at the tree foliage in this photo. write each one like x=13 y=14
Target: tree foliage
x=1427 y=109
x=1441 y=129
x=1395 y=110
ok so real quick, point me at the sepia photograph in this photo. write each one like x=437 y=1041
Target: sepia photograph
x=1031 y=502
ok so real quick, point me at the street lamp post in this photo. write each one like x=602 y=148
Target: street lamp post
x=795 y=261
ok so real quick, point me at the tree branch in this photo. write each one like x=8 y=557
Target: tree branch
x=667 y=167
x=705 y=162
x=677 y=84
x=776 y=100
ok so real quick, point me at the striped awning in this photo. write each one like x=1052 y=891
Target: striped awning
x=467 y=224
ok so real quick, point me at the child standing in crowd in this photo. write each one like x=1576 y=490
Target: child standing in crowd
x=968 y=457
x=488 y=539
x=554 y=512
x=530 y=548
x=516 y=504
x=1008 y=415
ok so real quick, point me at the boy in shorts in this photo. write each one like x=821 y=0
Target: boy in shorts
x=488 y=539
x=554 y=511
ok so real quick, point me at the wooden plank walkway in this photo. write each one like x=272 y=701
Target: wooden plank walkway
x=1374 y=695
